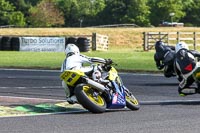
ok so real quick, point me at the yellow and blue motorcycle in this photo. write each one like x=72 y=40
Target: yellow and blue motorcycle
x=97 y=96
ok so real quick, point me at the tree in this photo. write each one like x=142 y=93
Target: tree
x=137 y=12
x=192 y=9
x=161 y=9
x=9 y=15
x=113 y=12
x=70 y=10
x=17 y=18
x=97 y=6
x=89 y=10
x=46 y=14
x=126 y=11
x=32 y=2
x=21 y=5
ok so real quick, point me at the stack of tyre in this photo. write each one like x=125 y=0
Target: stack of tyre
x=8 y=43
x=82 y=43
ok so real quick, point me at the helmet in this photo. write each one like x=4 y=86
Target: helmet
x=159 y=46
x=71 y=49
x=158 y=43
x=181 y=45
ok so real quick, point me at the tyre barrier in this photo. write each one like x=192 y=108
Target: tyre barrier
x=0 y=43
x=70 y=40
x=15 y=44
x=9 y=43
x=83 y=44
x=5 y=43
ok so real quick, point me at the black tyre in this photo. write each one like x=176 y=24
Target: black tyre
x=0 y=43
x=15 y=43
x=131 y=102
x=83 y=44
x=5 y=43
x=71 y=40
x=90 y=99
x=66 y=41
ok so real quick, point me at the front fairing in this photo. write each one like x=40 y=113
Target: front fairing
x=118 y=99
x=112 y=74
x=118 y=95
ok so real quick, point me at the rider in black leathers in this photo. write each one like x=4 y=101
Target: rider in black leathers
x=164 y=58
x=185 y=63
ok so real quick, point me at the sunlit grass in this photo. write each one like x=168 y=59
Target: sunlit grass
x=125 y=47
x=31 y=59
x=126 y=59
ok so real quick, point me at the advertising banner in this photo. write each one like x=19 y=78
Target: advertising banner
x=42 y=44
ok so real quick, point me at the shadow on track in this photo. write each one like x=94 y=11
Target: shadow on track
x=171 y=102
x=158 y=84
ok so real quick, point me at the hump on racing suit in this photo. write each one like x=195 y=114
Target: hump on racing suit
x=185 y=61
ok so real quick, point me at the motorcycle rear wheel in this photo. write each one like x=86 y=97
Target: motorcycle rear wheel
x=90 y=99
x=131 y=102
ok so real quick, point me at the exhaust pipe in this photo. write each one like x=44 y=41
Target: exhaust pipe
x=95 y=85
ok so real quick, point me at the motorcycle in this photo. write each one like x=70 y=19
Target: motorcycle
x=196 y=74
x=97 y=96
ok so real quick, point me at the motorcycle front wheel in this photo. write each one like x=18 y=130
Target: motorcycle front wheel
x=90 y=99
x=131 y=102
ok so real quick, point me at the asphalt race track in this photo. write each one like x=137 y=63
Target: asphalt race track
x=33 y=101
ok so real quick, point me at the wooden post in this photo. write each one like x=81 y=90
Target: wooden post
x=94 y=38
x=195 y=40
x=145 y=45
x=167 y=38
x=160 y=36
x=178 y=37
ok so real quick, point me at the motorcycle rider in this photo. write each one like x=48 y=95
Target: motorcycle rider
x=185 y=66
x=164 y=57
x=74 y=60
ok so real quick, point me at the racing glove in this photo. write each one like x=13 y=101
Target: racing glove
x=108 y=61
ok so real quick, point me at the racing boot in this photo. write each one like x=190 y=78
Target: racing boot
x=188 y=91
x=66 y=88
x=72 y=99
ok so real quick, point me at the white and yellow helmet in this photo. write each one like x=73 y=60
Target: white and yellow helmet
x=72 y=49
x=181 y=45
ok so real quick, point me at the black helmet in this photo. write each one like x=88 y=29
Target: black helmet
x=159 y=46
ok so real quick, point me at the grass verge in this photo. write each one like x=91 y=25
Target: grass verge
x=127 y=59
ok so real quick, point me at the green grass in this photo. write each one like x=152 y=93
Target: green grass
x=127 y=60
x=30 y=59
x=123 y=46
